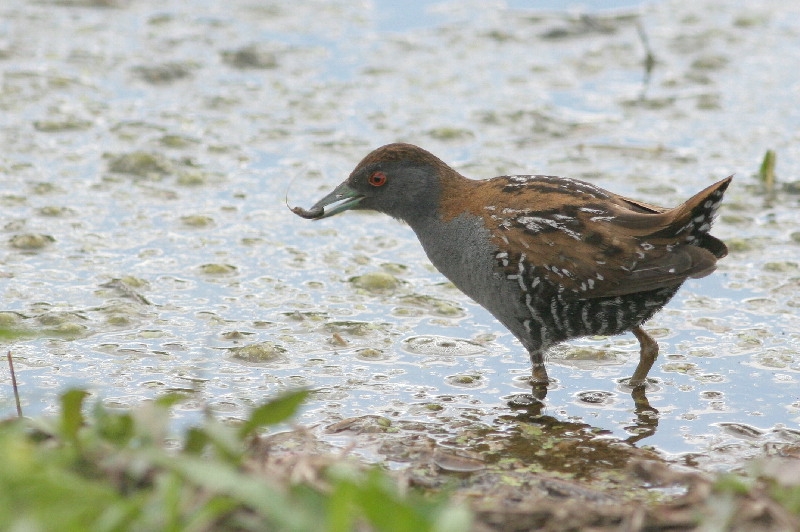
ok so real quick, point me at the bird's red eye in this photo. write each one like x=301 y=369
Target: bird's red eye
x=377 y=179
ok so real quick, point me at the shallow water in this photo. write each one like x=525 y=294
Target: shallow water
x=148 y=148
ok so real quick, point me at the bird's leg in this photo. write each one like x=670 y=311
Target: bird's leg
x=538 y=371
x=647 y=356
x=539 y=379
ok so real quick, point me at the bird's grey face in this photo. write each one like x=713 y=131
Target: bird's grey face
x=404 y=189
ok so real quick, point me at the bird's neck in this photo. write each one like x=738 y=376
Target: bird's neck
x=444 y=229
x=458 y=196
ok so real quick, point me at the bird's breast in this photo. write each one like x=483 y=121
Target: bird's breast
x=463 y=250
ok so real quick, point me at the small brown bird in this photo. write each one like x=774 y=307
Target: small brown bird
x=551 y=258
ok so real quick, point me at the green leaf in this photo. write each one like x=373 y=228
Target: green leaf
x=766 y=173
x=224 y=439
x=210 y=513
x=71 y=415
x=113 y=427
x=386 y=510
x=222 y=479
x=168 y=400
x=274 y=412
x=453 y=519
x=731 y=483
x=196 y=440
x=341 y=507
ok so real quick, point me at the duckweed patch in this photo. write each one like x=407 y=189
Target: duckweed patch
x=31 y=241
x=259 y=353
x=429 y=304
x=377 y=282
x=141 y=164
x=218 y=270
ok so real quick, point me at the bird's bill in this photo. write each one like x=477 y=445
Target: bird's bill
x=341 y=198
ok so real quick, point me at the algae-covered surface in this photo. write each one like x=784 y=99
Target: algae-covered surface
x=147 y=150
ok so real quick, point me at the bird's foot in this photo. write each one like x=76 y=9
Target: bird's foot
x=637 y=383
x=539 y=375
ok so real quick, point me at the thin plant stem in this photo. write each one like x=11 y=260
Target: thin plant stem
x=14 y=383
